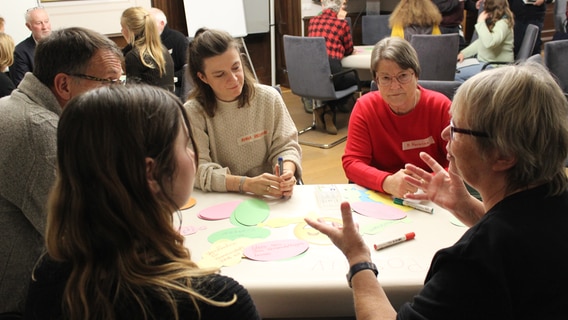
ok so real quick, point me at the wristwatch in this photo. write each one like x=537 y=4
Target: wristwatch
x=360 y=267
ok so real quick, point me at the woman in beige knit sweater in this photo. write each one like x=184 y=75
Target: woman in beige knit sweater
x=241 y=128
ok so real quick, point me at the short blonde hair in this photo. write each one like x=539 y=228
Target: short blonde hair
x=6 y=50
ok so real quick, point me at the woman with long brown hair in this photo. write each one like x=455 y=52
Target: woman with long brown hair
x=126 y=162
x=495 y=43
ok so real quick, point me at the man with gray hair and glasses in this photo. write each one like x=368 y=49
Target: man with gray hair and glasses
x=67 y=63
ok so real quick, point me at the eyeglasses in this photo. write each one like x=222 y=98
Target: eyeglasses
x=103 y=81
x=402 y=78
x=466 y=131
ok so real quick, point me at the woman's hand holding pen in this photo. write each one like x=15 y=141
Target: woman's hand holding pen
x=285 y=173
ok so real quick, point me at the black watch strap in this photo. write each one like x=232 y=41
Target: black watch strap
x=360 y=267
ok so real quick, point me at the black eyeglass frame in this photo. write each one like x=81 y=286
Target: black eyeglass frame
x=474 y=133
x=92 y=78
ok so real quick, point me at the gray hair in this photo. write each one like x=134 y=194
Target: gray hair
x=397 y=50
x=334 y=5
x=526 y=117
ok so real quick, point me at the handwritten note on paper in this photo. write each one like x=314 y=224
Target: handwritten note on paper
x=239 y=232
x=189 y=230
x=380 y=225
x=251 y=212
x=224 y=253
x=220 y=211
x=378 y=210
x=280 y=222
x=276 y=249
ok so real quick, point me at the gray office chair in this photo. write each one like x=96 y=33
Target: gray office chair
x=447 y=88
x=555 y=61
x=527 y=45
x=374 y=28
x=437 y=55
x=536 y=58
x=310 y=77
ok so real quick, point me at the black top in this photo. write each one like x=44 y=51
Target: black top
x=23 y=60
x=45 y=294
x=177 y=44
x=6 y=85
x=136 y=72
x=512 y=264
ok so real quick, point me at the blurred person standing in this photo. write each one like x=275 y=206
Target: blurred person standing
x=37 y=21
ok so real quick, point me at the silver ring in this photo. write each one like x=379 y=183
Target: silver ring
x=267 y=188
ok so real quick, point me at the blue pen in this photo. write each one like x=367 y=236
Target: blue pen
x=280 y=166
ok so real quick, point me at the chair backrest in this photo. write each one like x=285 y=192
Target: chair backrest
x=307 y=67
x=374 y=28
x=555 y=60
x=447 y=88
x=437 y=55
x=186 y=84
x=527 y=45
x=536 y=58
x=560 y=15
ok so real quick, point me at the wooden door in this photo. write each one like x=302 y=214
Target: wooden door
x=288 y=19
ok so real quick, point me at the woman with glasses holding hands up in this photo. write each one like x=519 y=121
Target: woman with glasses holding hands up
x=390 y=127
x=508 y=140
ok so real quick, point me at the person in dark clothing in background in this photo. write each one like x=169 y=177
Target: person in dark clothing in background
x=176 y=43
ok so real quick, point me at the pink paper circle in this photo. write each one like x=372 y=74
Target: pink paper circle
x=378 y=210
x=219 y=211
x=276 y=249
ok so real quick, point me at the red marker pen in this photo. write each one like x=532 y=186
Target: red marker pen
x=389 y=243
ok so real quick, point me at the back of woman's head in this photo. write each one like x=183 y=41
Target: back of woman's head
x=103 y=202
x=397 y=50
x=423 y=13
x=103 y=218
x=209 y=43
x=6 y=50
x=526 y=117
x=144 y=35
x=499 y=9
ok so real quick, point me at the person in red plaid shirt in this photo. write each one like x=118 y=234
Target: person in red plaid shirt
x=339 y=43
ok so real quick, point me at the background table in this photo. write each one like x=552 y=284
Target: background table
x=360 y=59
x=313 y=284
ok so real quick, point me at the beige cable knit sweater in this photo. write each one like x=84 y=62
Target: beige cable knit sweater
x=243 y=141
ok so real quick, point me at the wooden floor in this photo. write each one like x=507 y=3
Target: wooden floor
x=320 y=166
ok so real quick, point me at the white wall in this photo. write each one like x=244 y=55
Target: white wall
x=100 y=15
